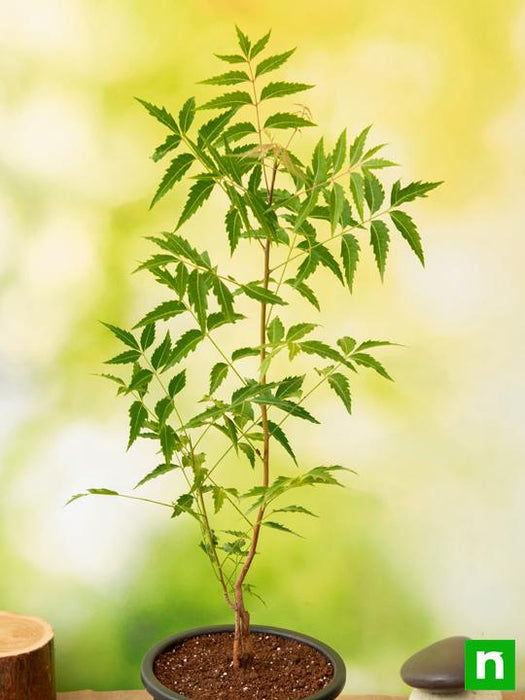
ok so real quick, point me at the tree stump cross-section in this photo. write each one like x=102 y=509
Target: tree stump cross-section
x=26 y=658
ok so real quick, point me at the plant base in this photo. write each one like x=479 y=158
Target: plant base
x=283 y=666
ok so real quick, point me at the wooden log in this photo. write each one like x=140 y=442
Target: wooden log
x=26 y=658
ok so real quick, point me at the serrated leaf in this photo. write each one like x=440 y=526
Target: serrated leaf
x=280 y=527
x=187 y=114
x=187 y=342
x=113 y=378
x=140 y=380
x=162 y=312
x=299 y=330
x=230 y=100
x=287 y=406
x=400 y=195
x=161 y=355
x=346 y=344
x=339 y=154
x=124 y=358
x=277 y=432
x=199 y=193
x=147 y=336
x=197 y=295
x=218 y=374
x=249 y=452
x=374 y=192
x=260 y=45
x=212 y=129
x=125 y=336
x=177 y=383
x=366 y=360
x=103 y=492
x=217 y=319
x=286 y=120
x=275 y=330
x=177 y=169
x=244 y=43
x=350 y=256
x=325 y=257
x=380 y=238
x=317 y=347
x=170 y=144
x=335 y=205
x=377 y=163
x=224 y=298
x=245 y=352
x=160 y=113
x=339 y=383
x=168 y=440
x=163 y=409
x=255 y=291
x=373 y=344
x=219 y=496
x=238 y=131
x=231 y=58
x=289 y=386
x=137 y=418
x=281 y=89
x=158 y=471
x=233 y=227
x=407 y=228
x=305 y=291
x=273 y=63
x=358 y=146
x=232 y=77
x=357 y=188
x=295 y=509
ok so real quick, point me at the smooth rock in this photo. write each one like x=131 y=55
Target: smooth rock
x=439 y=668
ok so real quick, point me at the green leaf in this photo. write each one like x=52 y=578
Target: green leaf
x=339 y=154
x=187 y=342
x=357 y=188
x=244 y=43
x=233 y=227
x=299 y=330
x=125 y=336
x=335 y=205
x=358 y=146
x=280 y=89
x=140 y=380
x=280 y=527
x=305 y=291
x=255 y=291
x=197 y=295
x=168 y=440
x=103 y=492
x=218 y=374
x=238 y=131
x=346 y=344
x=316 y=347
x=380 y=238
x=232 y=77
x=260 y=45
x=408 y=230
x=373 y=344
x=289 y=386
x=287 y=406
x=339 y=383
x=350 y=256
x=230 y=100
x=286 y=120
x=161 y=114
x=245 y=352
x=219 y=496
x=212 y=129
x=218 y=319
x=277 y=432
x=137 y=418
x=224 y=298
x=295 y=509
x=249 y=452
x=400 y=195
x=124 y=358
x=179 y=166
x=199 y=193
x=325 y=257
x=147 y=336
x=273 y=63
x=374 y=192
x=177 y=383
x=366 y=360
x=164 y=409
x=377 y=163
x=275 y=330
x=231 y=58
x=187 y=114
x=170 y=144
x=164 y=311
x=162 y=353
x=158 y=471
x=112 y=378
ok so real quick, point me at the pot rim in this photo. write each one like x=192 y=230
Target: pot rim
x=153 y=685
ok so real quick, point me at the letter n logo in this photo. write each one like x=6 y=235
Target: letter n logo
x=490 y=664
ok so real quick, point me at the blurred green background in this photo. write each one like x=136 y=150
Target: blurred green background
x=425 y=542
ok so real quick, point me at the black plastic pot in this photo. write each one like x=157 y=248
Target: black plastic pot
x=160 y=692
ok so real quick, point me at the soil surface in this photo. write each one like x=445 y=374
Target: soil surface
x=201 y=668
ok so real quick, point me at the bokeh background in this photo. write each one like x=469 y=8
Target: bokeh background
x=426 y=541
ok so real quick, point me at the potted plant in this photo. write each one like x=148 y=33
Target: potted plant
x=293 y=218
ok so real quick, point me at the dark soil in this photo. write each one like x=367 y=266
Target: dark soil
x=201 y=668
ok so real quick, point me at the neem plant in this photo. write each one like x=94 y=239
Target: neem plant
x=295 y=218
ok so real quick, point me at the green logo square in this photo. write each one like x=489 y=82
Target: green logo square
x=490 y=664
